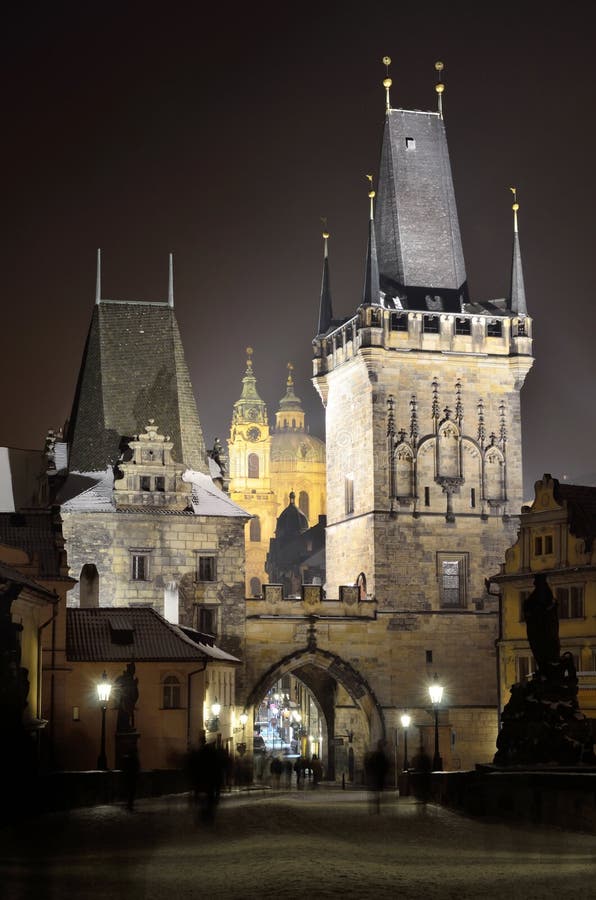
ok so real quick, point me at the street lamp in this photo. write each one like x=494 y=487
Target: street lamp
x=436 y=695
x=103 y=694
x=405 y=721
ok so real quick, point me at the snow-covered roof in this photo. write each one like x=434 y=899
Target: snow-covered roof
x=208 y=499
x=88 y=492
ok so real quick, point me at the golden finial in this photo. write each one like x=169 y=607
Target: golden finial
x=514 y=207
x=387 y=82
x=439 y=86
x=290 y=380
x=325 y=232
x=249 y=352
x=371 y=195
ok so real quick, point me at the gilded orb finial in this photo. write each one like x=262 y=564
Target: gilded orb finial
x=249 y=352
x=514 y=207
x=325 y=229
x=371 y=195
x=290 y=380
x=439 y=86
x=387 y=82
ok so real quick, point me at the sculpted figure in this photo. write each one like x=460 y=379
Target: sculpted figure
x=542 y=623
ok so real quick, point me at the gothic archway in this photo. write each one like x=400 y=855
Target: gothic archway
x=353 y=717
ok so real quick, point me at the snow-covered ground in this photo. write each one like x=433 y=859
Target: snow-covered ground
x=301 y=844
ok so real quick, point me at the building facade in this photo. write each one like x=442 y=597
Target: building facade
x=556 y=538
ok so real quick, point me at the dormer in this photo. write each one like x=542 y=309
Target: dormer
x=151 y=477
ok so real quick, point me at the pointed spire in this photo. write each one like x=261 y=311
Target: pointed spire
x=98 y=278
x=249 y=407
x=290 y=414
x=171 y=282
x=439 y=86
x=517 y=295
x=387 y=82
x=325 y=309
x=372 y=292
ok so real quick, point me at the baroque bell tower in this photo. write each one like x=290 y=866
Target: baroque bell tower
x=421 y=387
x=250 y=477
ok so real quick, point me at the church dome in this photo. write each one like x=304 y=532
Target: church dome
x=296 y=446
x=291 y=522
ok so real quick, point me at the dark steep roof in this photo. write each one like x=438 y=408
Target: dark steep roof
x=133 y=370
x=93 y=635
x=418 y=239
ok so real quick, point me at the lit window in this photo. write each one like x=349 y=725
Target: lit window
x=451 y=570
x=171 y=692
x=206 y=568
x=570 y=601
x=140 y=566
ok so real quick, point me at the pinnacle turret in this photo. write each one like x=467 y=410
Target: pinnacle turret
x=372 y=291
x=326 y=308
x=517 y=293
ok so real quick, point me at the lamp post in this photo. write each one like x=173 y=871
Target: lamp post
x=405 y=721
x=104 y=689
x=213 y=723
x=436 y=694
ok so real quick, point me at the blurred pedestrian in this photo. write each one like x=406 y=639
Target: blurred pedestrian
x=207 y=767
x=420 y=776
x=376 y=765
x=299 y=770
x=288 y=772
x=130 y=773
x=316 y=769
x=276 y=768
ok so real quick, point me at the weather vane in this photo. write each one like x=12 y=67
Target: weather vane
x=387 y=82
x=439 y=87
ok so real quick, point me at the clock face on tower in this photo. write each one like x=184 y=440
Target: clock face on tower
x=253 y=434
x=252 y=413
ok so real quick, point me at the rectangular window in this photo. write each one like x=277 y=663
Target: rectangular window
x=537 y=546
x=427 y=496
x=548 y=543
x=429 y=656
x=145 y=483
x=523 y=595
x=349 y=489
x=430 y=324
x=207 y=620
x=463 y=326
x=570 y=601
x=494 y=329
x=160 y=483
x=473 y=497
x=206 y=568
x=399 y=321
x=524 y=666
x=140 y=566
x=452 y=576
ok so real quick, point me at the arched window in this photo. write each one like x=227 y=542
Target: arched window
x=253 y=465
x=303 y=503
x=171 y=692
x=255 y=587
x=255 y=529
x=89 y=586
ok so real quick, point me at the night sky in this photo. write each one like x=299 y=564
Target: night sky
x=224 y=135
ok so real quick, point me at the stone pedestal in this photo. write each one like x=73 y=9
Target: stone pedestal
x=126 y=743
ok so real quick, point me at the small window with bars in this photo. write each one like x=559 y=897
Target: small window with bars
x=206 y=568
x=452 y=579
x=494 y=328
x=139 y=565
x=399 y=321
x=171 y=692
x=431 y=324
x=570 y=601
x=463 y=326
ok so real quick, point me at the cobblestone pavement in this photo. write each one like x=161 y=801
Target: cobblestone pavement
x=307 y=844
